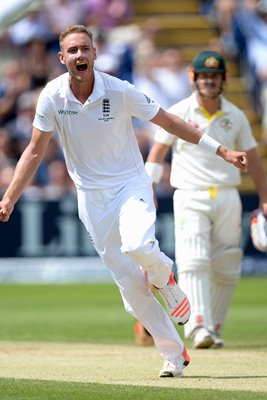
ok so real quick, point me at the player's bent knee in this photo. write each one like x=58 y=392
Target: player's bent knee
x=157 y=265
x=144 y=254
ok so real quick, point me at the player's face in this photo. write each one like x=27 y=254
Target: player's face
x=78 y=54
x=209 y=84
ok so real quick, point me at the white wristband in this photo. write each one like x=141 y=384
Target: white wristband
x=154 y=170
x=208 y=143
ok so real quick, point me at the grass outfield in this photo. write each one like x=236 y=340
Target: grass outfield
x=76 y=342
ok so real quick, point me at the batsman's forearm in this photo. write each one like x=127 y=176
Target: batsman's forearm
x=24 y=172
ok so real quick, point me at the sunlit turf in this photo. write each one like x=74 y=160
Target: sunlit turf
x=94 y=313
x=68 y=313
x=11 y=389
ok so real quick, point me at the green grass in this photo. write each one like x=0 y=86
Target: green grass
x=64 y=313
x=93 y=313
x=49 y=390
x=247 y=319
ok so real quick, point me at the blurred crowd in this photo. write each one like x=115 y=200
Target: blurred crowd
x=29 y=60
x=242 y=33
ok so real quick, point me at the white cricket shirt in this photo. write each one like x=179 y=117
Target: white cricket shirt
x=193 y=167
x=98 y=139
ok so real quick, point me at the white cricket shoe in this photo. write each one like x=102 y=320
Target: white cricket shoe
x=174 y=367
x=202 y=338
x=176 y=301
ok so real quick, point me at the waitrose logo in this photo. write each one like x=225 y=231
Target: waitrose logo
x=67 y=112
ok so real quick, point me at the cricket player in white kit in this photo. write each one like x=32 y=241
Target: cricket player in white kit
x=92 y=113
x=207 y=206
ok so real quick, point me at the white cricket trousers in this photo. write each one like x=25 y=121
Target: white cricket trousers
x=121 y=224
x=208 y=254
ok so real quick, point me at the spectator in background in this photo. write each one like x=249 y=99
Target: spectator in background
x=7 y=169
x=242 y=28
x=53 y=153
x=172 y=75
x=249 y=27
x=59 y=183
x=15 y=81
x=207 y=7
x=20 y=127
x=145 y=77
x=6 y=153
x=224 y=11
x=38 y=61
x=108 y=13
x=125 y=40
x=257 y=50
x=116 y=48
x=108 y=53
x=55 y=71
x=32 y=26
x=60 y=13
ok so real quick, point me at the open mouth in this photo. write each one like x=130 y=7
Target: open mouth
x=81 y=67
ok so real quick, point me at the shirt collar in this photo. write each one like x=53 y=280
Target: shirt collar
x=224 y=103
x=98 y=90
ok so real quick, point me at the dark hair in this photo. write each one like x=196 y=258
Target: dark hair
x=74 y=29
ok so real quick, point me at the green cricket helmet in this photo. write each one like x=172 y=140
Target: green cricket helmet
x=209 y=61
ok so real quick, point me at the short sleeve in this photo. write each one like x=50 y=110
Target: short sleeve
x=164 y=137
x=138 y=104
x=44 y=118
x=246 y=140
